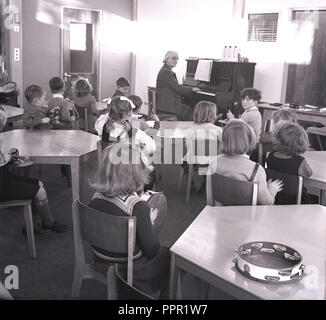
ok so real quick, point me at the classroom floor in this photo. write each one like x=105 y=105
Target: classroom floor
x=50 y=276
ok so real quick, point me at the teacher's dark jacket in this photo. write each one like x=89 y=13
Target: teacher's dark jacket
x=170 y=92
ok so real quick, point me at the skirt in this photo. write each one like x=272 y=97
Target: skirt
x=14 y=187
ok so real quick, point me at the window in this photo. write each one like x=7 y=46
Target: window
x=263 y=27
x=78 y=36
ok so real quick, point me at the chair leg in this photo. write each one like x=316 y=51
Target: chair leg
x=204 y=290
x=112 y=284
x=190 y=177
x=30 y=230
x=182 y=174
x=77 y=283
x=320 y=143
x=260 y=154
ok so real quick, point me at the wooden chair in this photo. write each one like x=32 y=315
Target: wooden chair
x=27 y=205
x=318 y=132
x=211 y=148
x=83 y=118
x=4 y=294
x=152 y=107
x=127 y=292
x=110 y=233
x=265 y=143
x=230 y=192
x=293 y=185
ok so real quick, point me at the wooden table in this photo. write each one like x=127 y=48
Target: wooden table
x=206 y=249
x=317 y=162
x=66 y=147
x=13 y=113
x=175 y=129
x=313 y=116
x=4 y=294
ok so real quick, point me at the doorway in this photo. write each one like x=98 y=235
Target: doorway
x=81 y=46
x=306 y=83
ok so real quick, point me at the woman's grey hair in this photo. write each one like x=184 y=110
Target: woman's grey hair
x=170 y=54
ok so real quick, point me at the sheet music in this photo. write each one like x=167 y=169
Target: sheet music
x=204 y=70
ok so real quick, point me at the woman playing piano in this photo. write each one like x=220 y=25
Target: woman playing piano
x=170 y=92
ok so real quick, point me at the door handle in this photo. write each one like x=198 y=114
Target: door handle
x=67 y=76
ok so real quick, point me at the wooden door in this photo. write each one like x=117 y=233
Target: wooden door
x=81 y=46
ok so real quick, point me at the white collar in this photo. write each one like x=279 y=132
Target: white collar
x=252 y=109
x=58 y=95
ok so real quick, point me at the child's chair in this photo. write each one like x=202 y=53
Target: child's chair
x=265 y=143
x=127 y=292
x=110 y=233
x=4 y=294
x=230 y=192
x=27 y=205
x=83 y=118
x=163 y=116
x=318 y=133
x=211 y=148
x=293 y=185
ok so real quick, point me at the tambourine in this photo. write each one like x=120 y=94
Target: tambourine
x=269 y=262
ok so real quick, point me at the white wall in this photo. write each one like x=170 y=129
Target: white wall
x=272 y=58
x=202 y=28
x=191 y=27
x=42 y=40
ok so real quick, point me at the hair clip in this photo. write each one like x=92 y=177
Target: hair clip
x=107 y=100
x=122 y=98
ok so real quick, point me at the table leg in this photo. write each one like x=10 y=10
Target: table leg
x=75 y=178
x=174 y=279
x=322 y=197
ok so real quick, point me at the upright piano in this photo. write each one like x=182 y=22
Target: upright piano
x=227 y=81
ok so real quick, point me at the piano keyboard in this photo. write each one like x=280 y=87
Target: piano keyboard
x=207 y=93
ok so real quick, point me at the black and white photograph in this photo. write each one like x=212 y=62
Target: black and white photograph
x=165 y=151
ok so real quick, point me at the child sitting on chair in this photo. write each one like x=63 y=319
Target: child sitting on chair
x=14 y=187
x=85 y=100
x=123 y=88
x=250 y=100
x=117 y=185
x=238 y=140
x=291 y=141
x=117 y=126
x=204 y=136
x=61 y=110
x=36 y=112
x=139 y=120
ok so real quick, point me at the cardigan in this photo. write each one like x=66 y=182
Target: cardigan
x=169 y=91
x=254 y=119
x=241 y=168
x=33 y=116
x=146 y=240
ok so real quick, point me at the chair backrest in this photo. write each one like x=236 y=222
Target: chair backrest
x=127 y=292
x=83 y=115
x=107 y=232
x=231 y=192
x=203 y=147
x=293 y=185
x=151 y=100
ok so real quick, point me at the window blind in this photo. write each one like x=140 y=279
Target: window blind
x=263 y=27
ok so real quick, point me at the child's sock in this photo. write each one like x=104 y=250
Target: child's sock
x=43 y=211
